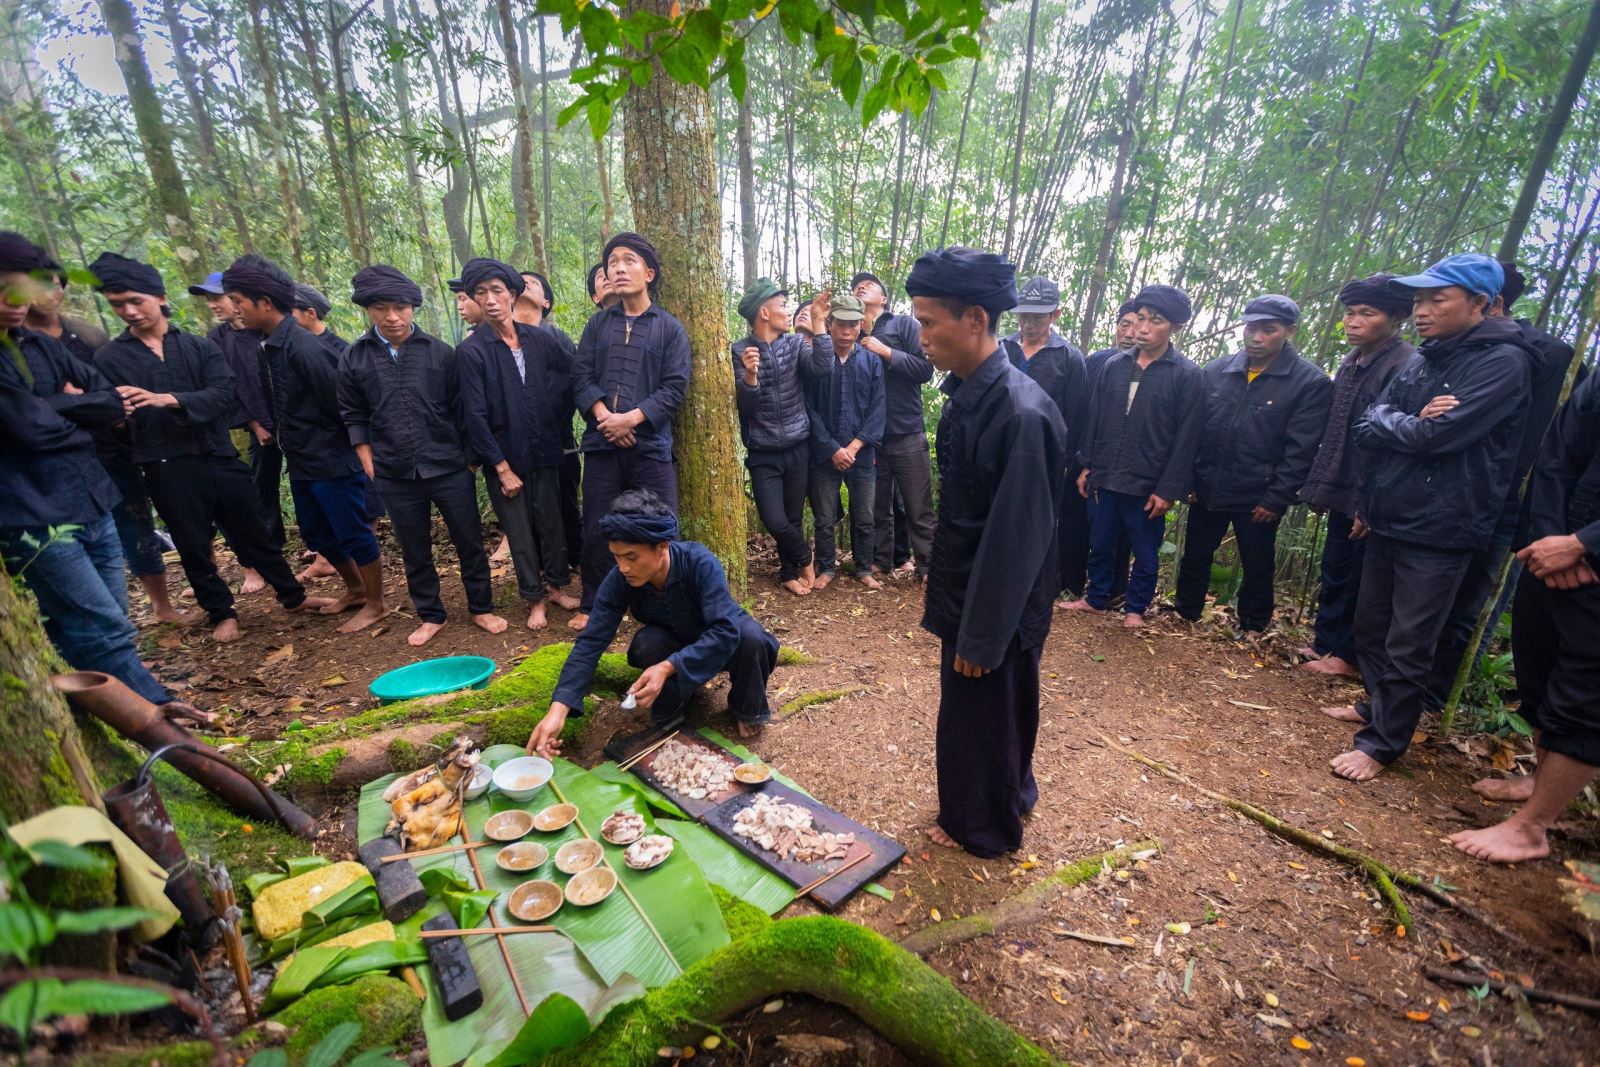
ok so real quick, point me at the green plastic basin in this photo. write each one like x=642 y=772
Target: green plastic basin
x=432 y=676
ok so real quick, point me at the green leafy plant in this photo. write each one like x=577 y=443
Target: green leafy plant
x=330 y=1052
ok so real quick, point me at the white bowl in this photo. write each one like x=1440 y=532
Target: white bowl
x=520 y=778
x=478 y=784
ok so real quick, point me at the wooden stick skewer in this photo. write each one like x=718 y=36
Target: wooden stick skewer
x=502 y=931
x=505 y=953
x=398 y=856
x=628 y=763
x=834 y=873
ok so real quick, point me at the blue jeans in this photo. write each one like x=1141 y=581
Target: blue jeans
x=83 y=596
x=334 y=520
x=862 y=481
x=1110 y=515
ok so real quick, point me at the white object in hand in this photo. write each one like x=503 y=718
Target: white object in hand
x=629 y=702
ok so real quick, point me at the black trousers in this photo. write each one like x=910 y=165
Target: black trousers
x=1555 y=644
x=571 y=512
x=1406 y=594
x=748 y=670
x=1470 y=599
x=1335 y=633
x=1257 y=542
x=531 y=520
x=903 y=463
x=983 y=750
x=778 y=481
x=607 y=474
x=196 y=494
x=411 y=502
x=1072 y=541
x=266 y=471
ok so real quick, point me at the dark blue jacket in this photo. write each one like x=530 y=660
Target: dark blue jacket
x=695 y=605
x=861 y=415
x=509 y=419
x=1149 y=447
x=1443 y=482
x=302 y=386
x=336 y=345
x=243 y=349
x=1060 y=370
x=772 y=414
x=904 y=372
x=1564 y=496
x=49 y=475
x=192 y=369
x=994 y=574
x=407 y=410
x=656 y=386
x=1260 y=436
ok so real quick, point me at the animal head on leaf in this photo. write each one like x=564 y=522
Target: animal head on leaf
x=456 y=762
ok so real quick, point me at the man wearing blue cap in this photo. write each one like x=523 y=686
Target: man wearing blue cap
x=1438 y=448
x=1039 y=351
x=1265 y=411
x=993 y=577
x=1146 y=416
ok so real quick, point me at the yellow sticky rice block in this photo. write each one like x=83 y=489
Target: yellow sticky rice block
x=382 y=930
x=279 y=907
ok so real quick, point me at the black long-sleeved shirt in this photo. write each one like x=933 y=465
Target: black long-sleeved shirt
x=645 y=366
x=1564 y=497
x=337 y=346
x=511 y=415
x=404 y=404
x=1147 y=444
x=190 y=368
x=1334 y=482
x=243 y=349
x=993 y=576
x=1060 y=370
x=302 y=386
x=49 y=475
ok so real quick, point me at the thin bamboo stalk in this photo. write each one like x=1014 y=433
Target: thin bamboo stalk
x=397 y=857
x=628 y=763
x=503 y=931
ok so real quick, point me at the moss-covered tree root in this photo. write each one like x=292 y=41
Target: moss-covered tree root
x=821 y=696
x=1023 y=908
x=888 y=988
x=1385 y=878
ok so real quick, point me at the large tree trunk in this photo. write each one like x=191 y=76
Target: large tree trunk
x=529 y=235
x=171 y=194
x=274 y=134
x=1555 y=125
x=1022 y=129
x=330 y=138
x=544 y=135
x=672 y=181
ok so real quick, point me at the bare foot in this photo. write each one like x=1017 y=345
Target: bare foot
x=180 y=712
x=369 y=614
x=490 y=623
x=1081 y=604
x=823 y=581
x=187 y=594
x=937 y=835
x=1355 y=765
x=423 y=634
x=797 y=587
x=578 y=622
x=1344 y=713
x=312 y=604
x=253 y=583
x=1132 y=621
x=870 y=582
x=503 y=552
x=908 y=567
x=349 y=602
x=808 y=575
x=1331 y=665
x=1307 y=652
x=320 y=568
x=536 y=619
x=1509 y=789
x=1509 y=842
x=563 y=600
x=176 y=617
x=226 y=631
x=749 y=729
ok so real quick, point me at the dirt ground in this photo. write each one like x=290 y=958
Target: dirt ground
x=1289 y=955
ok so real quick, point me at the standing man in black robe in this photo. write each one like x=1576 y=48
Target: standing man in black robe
x=181 y=392
x=400 y=397
x=630 y=379
x=1056 y=366
x=311 y=312
x=1266 y=407
x=516 y=390
x=1127 y=322
x=992 y=578
x=534 y=307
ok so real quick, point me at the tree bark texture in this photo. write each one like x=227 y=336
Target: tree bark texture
x=529 y=238
x=274 y=134
x=672 y=181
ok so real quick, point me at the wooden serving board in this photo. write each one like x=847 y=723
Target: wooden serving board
x=623 y=747
x=833 y=893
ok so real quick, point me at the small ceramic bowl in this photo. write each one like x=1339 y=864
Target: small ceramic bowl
x=507 y=825
x=591 y=887
x=519 y=779
x=555 y=817
x=532 y=901
x=522 y=856
x=753 y=774
x=579 y=855
x=478 y=784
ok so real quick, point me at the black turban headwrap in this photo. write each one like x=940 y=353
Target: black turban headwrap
x=119 y=274
x=480 y=270
x=1168 y=301
x=1374 y=291
x=1516 y=284
x=21 y=255
x=381 y=283
x=598 y=268
x=257 y=274
x=549 y=294
x=968 y=275
x=1127 y=308
x=639 y=244
x=640 y=529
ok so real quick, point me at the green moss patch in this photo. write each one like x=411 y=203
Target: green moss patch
x=389 y=1013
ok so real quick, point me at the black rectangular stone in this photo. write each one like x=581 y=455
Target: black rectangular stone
x=452 y=970
x=400 y=891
